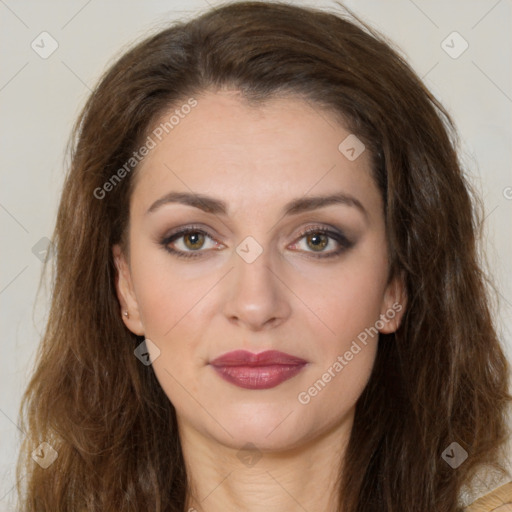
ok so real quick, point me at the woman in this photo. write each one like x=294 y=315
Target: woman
x=267 y=292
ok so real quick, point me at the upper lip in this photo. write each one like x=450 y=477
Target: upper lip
x=267 y=358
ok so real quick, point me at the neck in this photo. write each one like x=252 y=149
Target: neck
x=228 y=479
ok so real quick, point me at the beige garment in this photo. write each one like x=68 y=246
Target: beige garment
x=498 y=500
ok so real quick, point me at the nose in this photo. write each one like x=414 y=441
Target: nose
x=257 y=296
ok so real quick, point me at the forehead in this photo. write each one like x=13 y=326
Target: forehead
x=251 y=154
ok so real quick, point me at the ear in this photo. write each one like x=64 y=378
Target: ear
x=125 y=292
x=393 y=305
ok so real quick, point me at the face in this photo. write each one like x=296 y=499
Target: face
x=258 y=263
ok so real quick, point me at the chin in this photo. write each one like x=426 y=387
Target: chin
x=270 y=427
x=248 y=437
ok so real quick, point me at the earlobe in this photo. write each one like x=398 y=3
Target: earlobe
x=393 y=305
x=125 y=293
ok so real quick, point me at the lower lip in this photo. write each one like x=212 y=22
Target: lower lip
x=258 y=377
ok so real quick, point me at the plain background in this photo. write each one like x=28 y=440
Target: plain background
x=41 y=97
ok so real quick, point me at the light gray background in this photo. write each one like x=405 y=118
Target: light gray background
x=40 y=99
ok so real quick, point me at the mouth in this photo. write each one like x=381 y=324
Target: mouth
x=257 y=371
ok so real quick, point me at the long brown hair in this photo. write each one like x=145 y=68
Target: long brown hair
x=441 y=378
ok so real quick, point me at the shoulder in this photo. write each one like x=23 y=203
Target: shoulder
x=498 y=500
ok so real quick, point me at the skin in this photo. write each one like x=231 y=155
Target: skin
x=257 y=159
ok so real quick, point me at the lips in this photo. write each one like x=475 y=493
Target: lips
x=257 y=371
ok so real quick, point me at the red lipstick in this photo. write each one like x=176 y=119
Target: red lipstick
x=257 y=371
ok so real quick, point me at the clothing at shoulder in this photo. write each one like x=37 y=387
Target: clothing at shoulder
x=498 y=500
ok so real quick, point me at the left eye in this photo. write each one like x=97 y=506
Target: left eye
x=319 y=238
x=316 y=240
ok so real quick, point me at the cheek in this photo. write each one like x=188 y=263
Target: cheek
x=165 y=297
x=345 y=339
x=345 y=301
x=172 y=311
x=175 y=312
x=347 y=304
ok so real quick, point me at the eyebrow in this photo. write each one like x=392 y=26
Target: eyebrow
x=218 y=207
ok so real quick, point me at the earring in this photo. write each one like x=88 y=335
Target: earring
x=125 y=313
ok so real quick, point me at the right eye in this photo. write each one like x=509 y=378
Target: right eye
x=193 y=240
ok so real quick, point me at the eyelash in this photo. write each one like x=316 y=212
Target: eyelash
x=338 y=237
